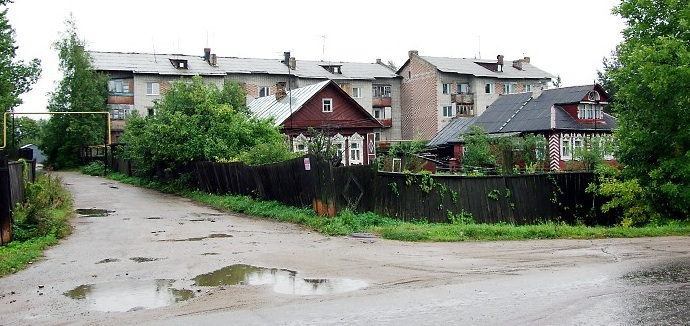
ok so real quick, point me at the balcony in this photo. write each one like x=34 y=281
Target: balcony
x=380 y=102
x=462 y=98
x=386 y=122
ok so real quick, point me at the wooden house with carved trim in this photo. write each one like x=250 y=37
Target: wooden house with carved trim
x=326 y=107
x=569 y=119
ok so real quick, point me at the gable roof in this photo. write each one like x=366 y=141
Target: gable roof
x=476 y=67
x=524 y=113
x=147 y=63
x=280 y=110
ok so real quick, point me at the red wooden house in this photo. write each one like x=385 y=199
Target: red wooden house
x=325 y=107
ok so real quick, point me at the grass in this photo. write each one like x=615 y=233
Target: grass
x=347 y=222
x=38 y=223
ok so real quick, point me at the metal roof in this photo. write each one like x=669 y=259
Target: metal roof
x=472 y=67
x=523 y=113
x=452 y=132
x=160 y=64
x=267 y=107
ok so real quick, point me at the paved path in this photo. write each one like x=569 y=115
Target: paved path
x=125 y=267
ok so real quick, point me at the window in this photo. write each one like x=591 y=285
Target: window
x=355 y=145
x=467 y=110
x=264 y=91
x=327 y=105
x=120 y=111
x=118 y=86
x=377 y=136
x=152 y=89
x=589 y=111
x=508 y=88
x=382 y=91
x=379 y=113
x=357 y=92
x=566 y=152
x=528 y=87
x=151 y=111
x=578 y=147
x=489 y=88
x=446 y=88
x=299 y=144
x=463 y=88
x=448 y=111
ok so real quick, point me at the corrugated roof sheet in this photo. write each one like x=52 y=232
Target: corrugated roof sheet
x=522 y=113
x=160 y=64
x=267 y=106
x=472 y=67
x=451 y=133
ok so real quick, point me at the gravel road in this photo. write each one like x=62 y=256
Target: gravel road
x=158 y=259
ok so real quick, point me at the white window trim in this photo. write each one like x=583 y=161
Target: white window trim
x=327 y=105
x=356 y=92
x=266 y=88
x=446 y=88
x=151 y=90
x=447 y=111
x=492 y=88
x=300 y=140
x=566 y=148
x=359 y=148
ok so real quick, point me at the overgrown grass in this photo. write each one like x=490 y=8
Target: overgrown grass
x=347 y=222
x=38 y=223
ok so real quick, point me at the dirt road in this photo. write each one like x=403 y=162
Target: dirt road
x=158 y=259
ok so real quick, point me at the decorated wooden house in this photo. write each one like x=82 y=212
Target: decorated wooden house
x=327 y=108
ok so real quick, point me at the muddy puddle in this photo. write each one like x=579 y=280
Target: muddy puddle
x=281 y=280
x=210 y=236
x=92 y=212
x=130 y=295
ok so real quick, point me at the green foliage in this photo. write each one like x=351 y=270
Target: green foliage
x=626 y=196
x=494 y=194
x=321 y=145
x=81 y=89
x=195 y=121
x=26 y=131
x=477 y=149
x=408 y=152
x=268 y=153
x=43 y=212
x=652 y=101
x=94 y=168
x=16 y=76
x=463 y=218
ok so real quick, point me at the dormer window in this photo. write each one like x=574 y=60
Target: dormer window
x=179 y=63
x=589 y=111
x=334 y=69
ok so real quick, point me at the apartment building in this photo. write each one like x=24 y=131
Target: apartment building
x=436 y=89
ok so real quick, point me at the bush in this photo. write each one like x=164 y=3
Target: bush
x=44 y=212
x=94 y=168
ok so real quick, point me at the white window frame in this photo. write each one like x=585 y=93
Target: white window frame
x=578 y=147
x=446 y=88
x=508 y=88
x=463 y=88
x=528 y=87
x=489 y=88
x=448 y=111
x=327 y=105
x=300 y=144
x=355 y=149
x=566 y=148
x=356 y=92
x=379 y=113
x=153 y=88
x=264 y=91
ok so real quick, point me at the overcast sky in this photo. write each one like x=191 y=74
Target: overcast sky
x=567 y=38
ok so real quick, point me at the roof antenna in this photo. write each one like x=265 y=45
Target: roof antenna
x=154 y=50
x=323 y=49
x=479 y=46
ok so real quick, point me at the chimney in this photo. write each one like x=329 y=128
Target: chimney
x=526 y=59
x=280 y=91
x=214 y=60
x=293 y=63
x=499 y=59
x=412 y=53
x=207 y=54
x=286 y=58
x=379 y=61
x=517 y=64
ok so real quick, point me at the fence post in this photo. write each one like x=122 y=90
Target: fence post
x=5 y=201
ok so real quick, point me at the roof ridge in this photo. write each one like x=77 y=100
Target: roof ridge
x=514 y=114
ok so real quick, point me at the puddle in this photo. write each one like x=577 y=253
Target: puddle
x=143 y=259
x=108 y=260
x=282 y=280
x=676 y=272
x=220 y=235
x=130 y=295
x=210 y=254
x=154 y=218
x=93 y=212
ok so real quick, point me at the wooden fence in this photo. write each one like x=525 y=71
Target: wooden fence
x=516 y=199
x=12 y=185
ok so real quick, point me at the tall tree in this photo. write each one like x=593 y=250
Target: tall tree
x=16 y=77
x=81 y=89
x=652 y=100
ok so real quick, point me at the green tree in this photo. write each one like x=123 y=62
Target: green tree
x=604 y=77
x=26 y=130
x=195 y=121
x=16 y=77
x=477 y=149
x=81 y=89
x=652 y=100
